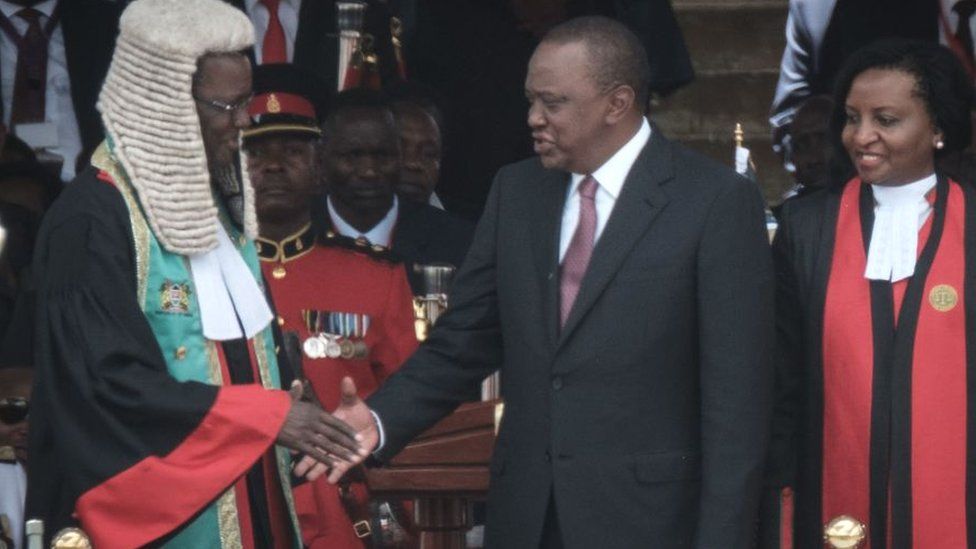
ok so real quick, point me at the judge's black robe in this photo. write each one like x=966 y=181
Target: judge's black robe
x=104 y=404
x=804 y=252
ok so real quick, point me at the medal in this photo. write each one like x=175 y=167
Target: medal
x=361 y=350
x=348 y=348
x=943 y=298
x=332 y=348
x=314 y=347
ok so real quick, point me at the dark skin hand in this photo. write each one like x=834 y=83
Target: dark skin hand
x=319 y=435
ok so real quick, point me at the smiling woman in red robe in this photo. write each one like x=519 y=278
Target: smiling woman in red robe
x=874 y=292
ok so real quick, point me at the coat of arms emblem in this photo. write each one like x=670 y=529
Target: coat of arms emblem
x=174 y=297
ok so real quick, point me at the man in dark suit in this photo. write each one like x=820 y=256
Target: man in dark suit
x=360 y=160
x=474 y=53
x=311 y=35
x=81 y=38
x=622 y=285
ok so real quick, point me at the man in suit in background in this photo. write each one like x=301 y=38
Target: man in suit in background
x=821 y=34
x=306 y=33
x=622 y=285
x=360 y=159
x=53 y=57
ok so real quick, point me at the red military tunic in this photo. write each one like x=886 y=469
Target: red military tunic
x=339 y=278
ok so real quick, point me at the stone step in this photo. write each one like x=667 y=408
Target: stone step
x=712 y=104
x=728 y=5
x=773 y=178
x=734 y=36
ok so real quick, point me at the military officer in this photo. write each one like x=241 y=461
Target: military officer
x=349 y=301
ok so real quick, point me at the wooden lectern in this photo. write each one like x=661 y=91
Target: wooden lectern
x=443 y=470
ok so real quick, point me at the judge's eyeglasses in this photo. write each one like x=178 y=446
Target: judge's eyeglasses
x=226 y=108
x=13 y=410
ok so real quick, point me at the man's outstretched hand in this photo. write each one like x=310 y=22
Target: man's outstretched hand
x=321 y=436
x=354 y=412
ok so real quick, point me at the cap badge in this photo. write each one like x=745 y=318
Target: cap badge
x=273 y=105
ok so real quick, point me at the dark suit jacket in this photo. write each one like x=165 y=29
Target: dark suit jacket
x=317 y=41
x=89 y=28
x=425 y=234
x=646 y=416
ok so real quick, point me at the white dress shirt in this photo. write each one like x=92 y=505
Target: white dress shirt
x=13 y=492
x=610 y=179
x=806 y=26
x=287 y=14
x=58 y=108
x=381 y=233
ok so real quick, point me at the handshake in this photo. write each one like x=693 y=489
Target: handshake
x=331 y=443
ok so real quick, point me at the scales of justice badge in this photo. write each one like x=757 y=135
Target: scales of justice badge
x=174 y=297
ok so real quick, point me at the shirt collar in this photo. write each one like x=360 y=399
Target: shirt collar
x=9 y=9
x=381 y=233
x=249 y=4
x=910 y=193
x=612 y=174
x=290 y=247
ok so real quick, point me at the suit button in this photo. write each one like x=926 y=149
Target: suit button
x=548 y=457
x=557 y=383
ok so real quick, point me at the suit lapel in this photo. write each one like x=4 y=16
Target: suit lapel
x=641 y=200
x=550 y=196
x=409 y=239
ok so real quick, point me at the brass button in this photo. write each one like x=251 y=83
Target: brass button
x=281 y=321
x=180 y=353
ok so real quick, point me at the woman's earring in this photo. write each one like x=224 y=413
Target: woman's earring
x=939 y=144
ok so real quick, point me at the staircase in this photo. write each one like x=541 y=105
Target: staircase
x=735 y=46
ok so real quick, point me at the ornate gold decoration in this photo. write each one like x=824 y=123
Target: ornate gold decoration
x=103 y=160
x=273 y=105
x=844 y=532
x=71 y=538
x=228 y=522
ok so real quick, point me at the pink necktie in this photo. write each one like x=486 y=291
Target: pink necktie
x=580 y=249
x=273 y=49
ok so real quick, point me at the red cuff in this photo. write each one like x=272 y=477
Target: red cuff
x=124 y=511
x=786 y=518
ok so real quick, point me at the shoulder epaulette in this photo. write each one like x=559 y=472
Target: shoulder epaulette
x=359 y=245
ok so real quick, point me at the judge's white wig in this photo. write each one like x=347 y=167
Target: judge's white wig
x=149 y=113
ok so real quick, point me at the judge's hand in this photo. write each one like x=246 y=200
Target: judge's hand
x=319 y=435
x=353 y=411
